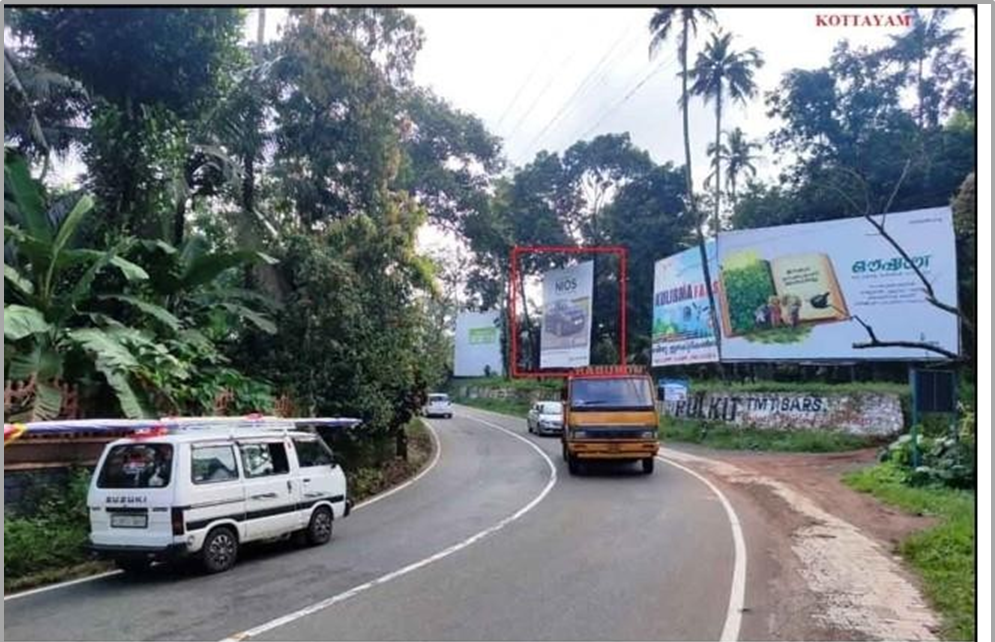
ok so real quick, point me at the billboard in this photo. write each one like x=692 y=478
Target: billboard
x=567 y=298
x=792 y=292
x=478 y=344
x=682 y=323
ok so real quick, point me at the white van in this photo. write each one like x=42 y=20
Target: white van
x=205 y=487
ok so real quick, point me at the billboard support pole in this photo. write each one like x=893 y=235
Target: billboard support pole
x=915 y=417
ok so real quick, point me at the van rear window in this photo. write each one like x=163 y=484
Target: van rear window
x=137 y=466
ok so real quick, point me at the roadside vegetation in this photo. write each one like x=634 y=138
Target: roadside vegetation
x=726 y=437
x=944 y=555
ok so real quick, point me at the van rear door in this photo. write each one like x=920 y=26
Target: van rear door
x=131 y=495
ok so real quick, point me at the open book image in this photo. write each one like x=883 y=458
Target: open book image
x=785 y=292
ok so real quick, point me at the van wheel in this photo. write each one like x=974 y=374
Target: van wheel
x=133 y=565
x=648 y=466
x=319 y=531
x=220 y=550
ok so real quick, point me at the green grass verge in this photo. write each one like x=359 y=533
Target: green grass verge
x=807 y=387
x=944 y=556
x=725 y=437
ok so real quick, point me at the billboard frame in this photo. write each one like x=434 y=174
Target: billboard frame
x=516 y=253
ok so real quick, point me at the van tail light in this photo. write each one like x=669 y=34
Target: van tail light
x=177 y=519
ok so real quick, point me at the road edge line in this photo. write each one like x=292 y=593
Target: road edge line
x=383 y=579
x=737 y=592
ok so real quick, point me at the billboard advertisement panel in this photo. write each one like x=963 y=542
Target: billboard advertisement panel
x=478 y=344
x=682 y=323
x=793 y=292
x=567 y=298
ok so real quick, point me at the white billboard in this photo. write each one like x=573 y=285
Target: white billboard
x=794 y=291
x=567 y=299
x=478 y=344
x=682 y=322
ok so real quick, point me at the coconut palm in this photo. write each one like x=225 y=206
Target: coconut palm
x=720 y=71
x=739 y=158
x=662 y=25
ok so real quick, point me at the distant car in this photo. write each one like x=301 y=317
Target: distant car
x=438 y=405
x=546 y=418
x=564 y=319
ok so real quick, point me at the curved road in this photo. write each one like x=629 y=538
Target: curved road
x=495 y=542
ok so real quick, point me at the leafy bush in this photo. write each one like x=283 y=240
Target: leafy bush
x=54 y=533
x=946 y=461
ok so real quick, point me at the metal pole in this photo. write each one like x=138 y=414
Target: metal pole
x=913 y=378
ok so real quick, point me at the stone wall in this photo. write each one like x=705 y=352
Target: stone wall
x=866 y=414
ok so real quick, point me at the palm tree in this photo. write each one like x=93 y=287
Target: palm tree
x=720 y=71
x=928 y=34
x=662 y=24
x=739 y=159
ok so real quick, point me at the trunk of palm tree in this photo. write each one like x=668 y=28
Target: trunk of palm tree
x=689 y=185
x=718 y=160
x=261 y=28
x=533 y=353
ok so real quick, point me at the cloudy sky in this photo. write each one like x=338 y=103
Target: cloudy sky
x=545 y=78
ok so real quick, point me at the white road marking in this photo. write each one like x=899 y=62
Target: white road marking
x=435 y=460
x=364 y=504
x=737 y=593
x=52 y=587
x=335 y=599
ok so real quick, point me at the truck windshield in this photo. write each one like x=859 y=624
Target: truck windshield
x=611 y=394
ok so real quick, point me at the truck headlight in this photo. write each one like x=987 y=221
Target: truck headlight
x=649 y=434
x=580 y=434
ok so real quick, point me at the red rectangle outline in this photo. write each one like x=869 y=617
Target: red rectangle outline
x=621 y=251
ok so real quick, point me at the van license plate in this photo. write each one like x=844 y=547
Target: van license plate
x=129 y=521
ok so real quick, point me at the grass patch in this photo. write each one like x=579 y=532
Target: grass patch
x=721 y=436
x=366 y=481
x=513 y=407
x=944 y=556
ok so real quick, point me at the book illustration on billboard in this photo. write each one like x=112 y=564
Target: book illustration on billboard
x=778 y=300
x=564 y=323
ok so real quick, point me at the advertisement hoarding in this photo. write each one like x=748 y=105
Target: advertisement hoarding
x=567 y=296
x=682 y=324
x=793 y=292
x=478 y=344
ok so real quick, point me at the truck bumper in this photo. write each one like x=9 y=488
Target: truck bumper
x=613 y=449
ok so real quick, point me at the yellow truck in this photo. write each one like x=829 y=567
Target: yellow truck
x=610 y=413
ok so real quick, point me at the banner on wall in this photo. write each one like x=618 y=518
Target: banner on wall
x=478 y=344
x=682 y=323
x=567 y=298
x=792 y=292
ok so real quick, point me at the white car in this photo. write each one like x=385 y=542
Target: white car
x=545 y=418
x=203 y=490
x=438 y=405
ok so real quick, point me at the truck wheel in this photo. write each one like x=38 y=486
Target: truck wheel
x=573 y=465
x=648 y=466
x=220 y=550
x=319 y=531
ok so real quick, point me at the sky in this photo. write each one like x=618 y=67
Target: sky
x=543 y=78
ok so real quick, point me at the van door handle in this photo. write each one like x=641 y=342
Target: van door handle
x=264 y=496
x=307 y=481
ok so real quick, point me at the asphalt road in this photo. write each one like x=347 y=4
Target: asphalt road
x=495 y=542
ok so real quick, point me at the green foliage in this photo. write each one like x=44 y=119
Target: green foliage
x=716 y=435
x=945 y=461
x=53 y=535
x=943 y=555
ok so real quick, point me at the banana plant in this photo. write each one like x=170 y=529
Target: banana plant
x=49 y=316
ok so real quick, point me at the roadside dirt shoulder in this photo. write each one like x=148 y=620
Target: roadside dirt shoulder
x=822 y=556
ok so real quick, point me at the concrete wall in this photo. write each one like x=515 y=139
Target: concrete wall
x=868 y=414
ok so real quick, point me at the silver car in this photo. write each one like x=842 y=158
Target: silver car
x=545 y=418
